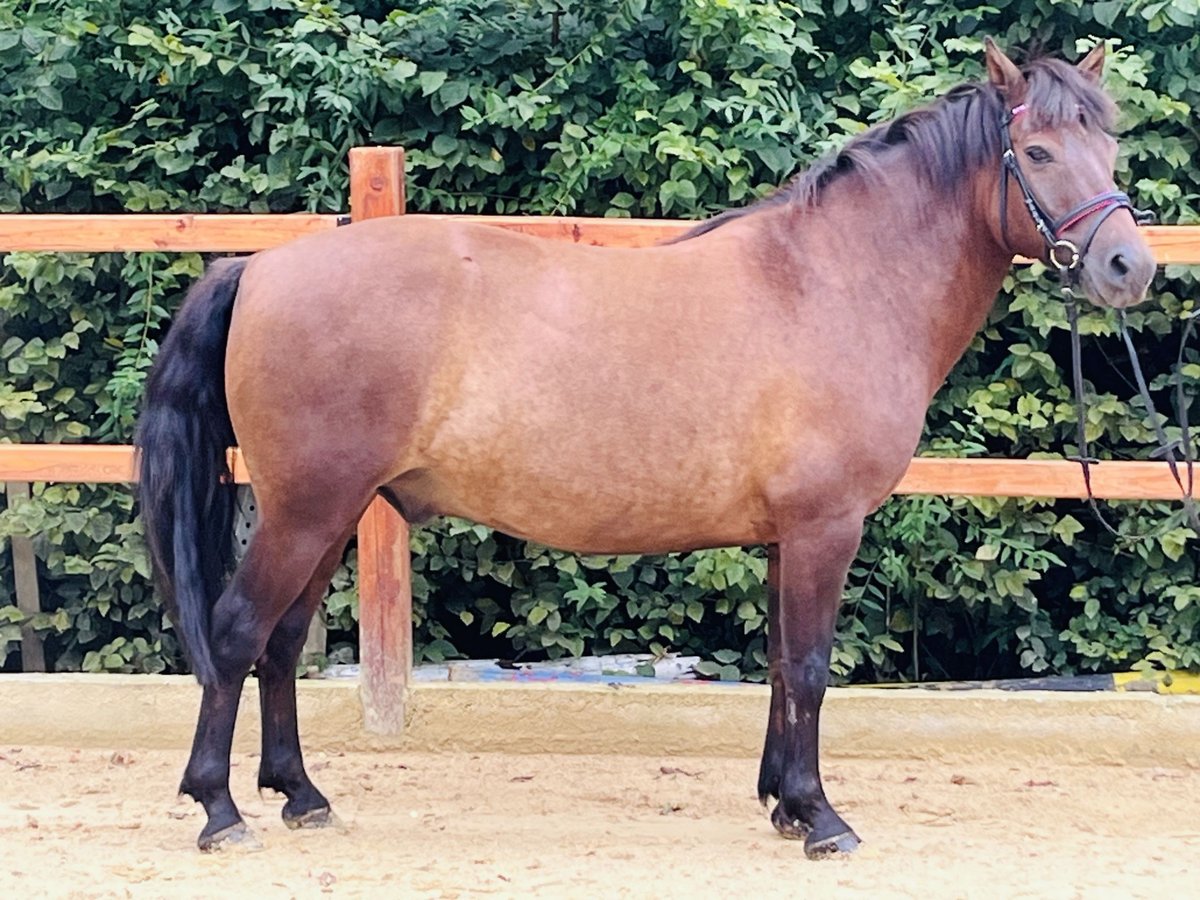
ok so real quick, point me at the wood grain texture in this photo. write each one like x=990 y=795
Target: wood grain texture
x=83 y=463
x=384 y=617
x=130 y=233
x=377 y=188
x=29 y=598
x=1174 y=244
x=376 y=182
x=67 y=462
x=1111 y=480
x=1114 y=480
x=384 y=566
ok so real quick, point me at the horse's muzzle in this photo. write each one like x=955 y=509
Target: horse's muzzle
x=1120 y=275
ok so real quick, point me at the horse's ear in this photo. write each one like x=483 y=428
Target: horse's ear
x=1092 y=65
x=1003 y=72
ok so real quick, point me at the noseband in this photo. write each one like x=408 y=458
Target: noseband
x=1064 y=255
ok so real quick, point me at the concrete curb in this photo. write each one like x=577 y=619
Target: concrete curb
x=655 y=719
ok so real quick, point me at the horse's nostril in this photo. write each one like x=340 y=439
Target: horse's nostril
x=1119 y=266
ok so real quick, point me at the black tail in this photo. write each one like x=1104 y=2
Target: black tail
x=186 y=492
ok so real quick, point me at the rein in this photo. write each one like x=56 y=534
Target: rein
x=1166 y=448
x=1068 y=259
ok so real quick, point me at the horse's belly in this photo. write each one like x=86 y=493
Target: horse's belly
x=659 y=506
x=584 y=531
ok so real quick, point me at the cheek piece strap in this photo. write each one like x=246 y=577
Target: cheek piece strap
x=1064 y=255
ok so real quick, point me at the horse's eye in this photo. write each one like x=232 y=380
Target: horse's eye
x=1038 y=154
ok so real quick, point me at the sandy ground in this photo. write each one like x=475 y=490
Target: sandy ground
x=88 y=823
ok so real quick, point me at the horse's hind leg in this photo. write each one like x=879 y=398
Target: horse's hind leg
x=282 y=559
x=206 y=777
x=804 y=595
x=282 y=766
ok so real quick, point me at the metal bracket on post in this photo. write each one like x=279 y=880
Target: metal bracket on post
x=245 y=521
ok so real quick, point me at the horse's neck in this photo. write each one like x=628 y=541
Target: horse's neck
x=929 y=274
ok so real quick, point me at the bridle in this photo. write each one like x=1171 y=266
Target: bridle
x=1072 y=255
x=1069 y=258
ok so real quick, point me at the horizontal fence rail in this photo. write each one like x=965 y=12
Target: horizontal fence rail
x=385 y=600
x=238 y=233
x=1057 y=478
x=174 y=232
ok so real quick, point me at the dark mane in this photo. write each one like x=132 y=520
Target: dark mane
x=949 y=139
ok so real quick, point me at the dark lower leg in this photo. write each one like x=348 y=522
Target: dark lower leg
x=206 y=777
x=282 y=765
x=275 y=571
x=811 y=573
x=803 y=810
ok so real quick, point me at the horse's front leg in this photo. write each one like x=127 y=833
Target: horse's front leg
x=807 y=572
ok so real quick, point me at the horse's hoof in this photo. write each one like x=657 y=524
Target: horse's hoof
x=236 y=837
x=838 y=845
x=322 y=817
x=792 y=829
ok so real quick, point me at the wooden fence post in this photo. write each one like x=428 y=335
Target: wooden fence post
x=29 y=601
x=384 y=568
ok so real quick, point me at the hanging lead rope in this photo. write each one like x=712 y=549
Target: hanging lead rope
x=1166 y=448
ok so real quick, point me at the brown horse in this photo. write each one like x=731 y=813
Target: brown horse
x=764 y=379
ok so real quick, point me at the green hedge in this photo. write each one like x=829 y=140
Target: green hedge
x=658 y=107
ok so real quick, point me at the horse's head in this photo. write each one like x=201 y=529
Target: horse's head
x=1056 y=197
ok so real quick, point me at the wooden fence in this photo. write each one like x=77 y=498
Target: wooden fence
x=385 y=600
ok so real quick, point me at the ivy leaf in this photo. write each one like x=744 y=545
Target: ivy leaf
x=452 y=93
x=1106 y=12
x=430 y=81
x=48 y=96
